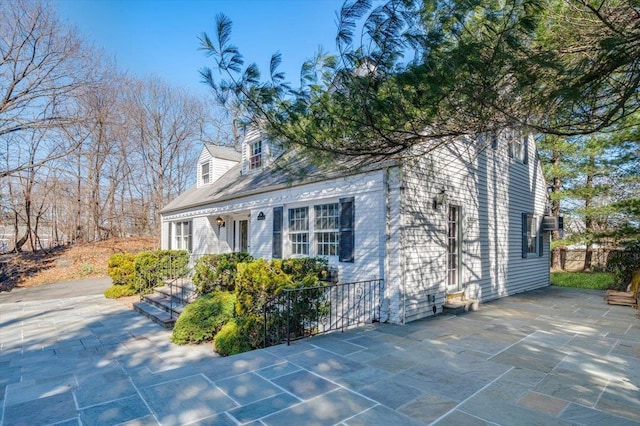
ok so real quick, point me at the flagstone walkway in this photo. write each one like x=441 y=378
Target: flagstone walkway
x=546 y=357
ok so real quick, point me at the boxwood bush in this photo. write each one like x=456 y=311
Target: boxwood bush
x=202 y=320
x=153 y=267
x=121 y=269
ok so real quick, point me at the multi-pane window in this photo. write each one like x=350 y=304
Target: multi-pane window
x=531 y=238
x=518 y=148
x=255 y=155
x=183 y=235
x=299 y=230
x=327 y=229
x=204 y=168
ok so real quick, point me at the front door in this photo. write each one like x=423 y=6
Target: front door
x=243 y=236
x=453 y=249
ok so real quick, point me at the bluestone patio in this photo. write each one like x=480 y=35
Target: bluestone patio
x=550 y=356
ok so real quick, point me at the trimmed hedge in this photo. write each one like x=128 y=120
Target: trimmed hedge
x=121 y=269
x=218 y=271
x=133 y=274
x=259 y=285
x=202 y=319
x=152 y=267
x=230 y=340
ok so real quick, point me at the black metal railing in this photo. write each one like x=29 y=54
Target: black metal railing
x=302 y=312
x=171 y=272
x=181 y=290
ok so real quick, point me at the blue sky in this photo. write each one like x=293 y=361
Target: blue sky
x=161 y=37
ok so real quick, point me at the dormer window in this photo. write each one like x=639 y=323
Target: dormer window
x=204 y=172
x=518 y=148
x=255 y=155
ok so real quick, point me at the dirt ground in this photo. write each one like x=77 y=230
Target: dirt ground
x=76 y=261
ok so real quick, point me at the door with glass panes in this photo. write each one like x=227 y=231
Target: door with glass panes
x=454 y=252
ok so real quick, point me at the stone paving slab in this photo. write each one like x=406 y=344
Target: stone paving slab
x=550 y=356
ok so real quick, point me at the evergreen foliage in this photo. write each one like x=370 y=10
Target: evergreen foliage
x=202 y=319
x=121 y=269
x=117 y=291
x=218 y=271
x=229 y=340
x=152 y=267
x=414 y=73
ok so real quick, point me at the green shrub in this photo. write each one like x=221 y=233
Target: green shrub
x=256 y=282
x=259 y=289
x=202 y=319
x=218 y=271
x=121 y=269
x=153 y=267
x=230 y=340
x=302 y=269
x=117 y=291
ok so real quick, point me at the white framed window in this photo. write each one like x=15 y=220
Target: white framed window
x=204 y=172
x=182 y=235
x=531 y=238
x=255 y=155
x=327 y=229
x=518 y=149
x=299 y=230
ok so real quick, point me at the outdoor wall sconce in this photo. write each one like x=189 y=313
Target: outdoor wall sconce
x=439 y=199
x=220 y=222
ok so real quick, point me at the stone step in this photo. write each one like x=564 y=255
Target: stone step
x=155 y=314
x=188 y=293
x=460 y=307
x=164 y=302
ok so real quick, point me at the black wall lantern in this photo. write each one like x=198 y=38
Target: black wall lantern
x=440 y=199
x=220 y=222
x=261 y=216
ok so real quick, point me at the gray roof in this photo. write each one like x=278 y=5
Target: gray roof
x=288 y=171
x=222 y=152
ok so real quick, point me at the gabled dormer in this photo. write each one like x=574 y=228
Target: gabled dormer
x=257 y=151
x=213 y=162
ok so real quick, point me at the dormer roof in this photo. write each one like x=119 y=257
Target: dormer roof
x=223 y=153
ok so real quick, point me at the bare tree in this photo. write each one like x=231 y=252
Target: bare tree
x=43 y=66
x=165 y=124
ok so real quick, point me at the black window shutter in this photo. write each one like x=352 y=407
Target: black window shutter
x=525 y=242
x=525 y=147
x=347 y=234
x=276 y=252
x=169 y=235
x=190 y=236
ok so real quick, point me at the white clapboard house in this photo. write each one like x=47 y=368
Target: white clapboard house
x=466 y=218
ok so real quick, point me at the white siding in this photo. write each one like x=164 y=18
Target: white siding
x=367 y=189
x=217 y=167
x=270 y=150
x=393 y=309
x=493 y=191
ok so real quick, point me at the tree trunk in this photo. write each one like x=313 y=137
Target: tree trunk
x=556 y=260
